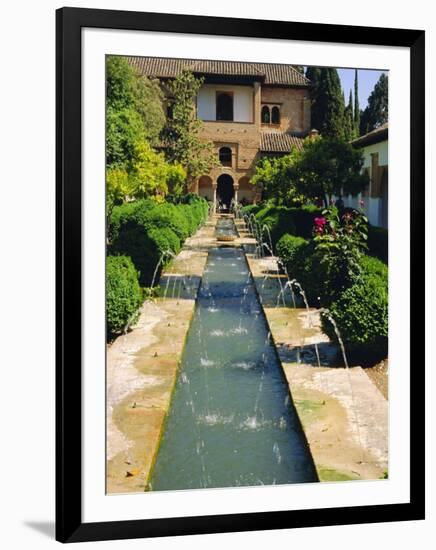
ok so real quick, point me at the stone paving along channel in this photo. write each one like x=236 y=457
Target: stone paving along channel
x=205 y=384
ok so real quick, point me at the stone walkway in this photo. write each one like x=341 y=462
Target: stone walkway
x=142 y=367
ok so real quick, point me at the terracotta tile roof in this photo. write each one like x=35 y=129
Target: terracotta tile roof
x=279 y=142
x=375 y=136
x=274 y=74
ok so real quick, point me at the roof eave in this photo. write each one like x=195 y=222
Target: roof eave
x=369 y=139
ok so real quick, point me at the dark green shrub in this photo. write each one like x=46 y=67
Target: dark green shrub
x=149 y=214
x=378 y=243
x=303 y=219
x=200 y=210
x=278 y=219
x=145 y=246
x=291 y=250
x=282 y=220
x=122 y=213
x=168 y=216
x=123 y=293
x=145 y=229
x=361 y=311
x=304 y=264
x=190 y=215
x=312 y=274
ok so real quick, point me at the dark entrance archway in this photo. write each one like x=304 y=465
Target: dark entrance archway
x=225 y=191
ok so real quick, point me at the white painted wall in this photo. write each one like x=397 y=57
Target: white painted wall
x=372 y=205
x=242 y=101
x=380 y=148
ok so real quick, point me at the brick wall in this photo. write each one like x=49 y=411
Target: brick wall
x=294 y=108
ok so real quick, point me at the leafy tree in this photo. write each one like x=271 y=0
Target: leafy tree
x=328 y=166
x=151 y=175
x=181 y=134
x=117 y=188
x=134 y=120
x=377 y=111
x=126 y=89
x=124 y=129
x=276 y=176
x=120 y=83
x=327 y=101
x=176 y=179
x=149 y=103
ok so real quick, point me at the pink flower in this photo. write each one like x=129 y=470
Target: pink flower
x=320 y=222
x=362 y=203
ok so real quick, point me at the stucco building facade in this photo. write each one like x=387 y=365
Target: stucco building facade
x=248 y=110
x=374 y=147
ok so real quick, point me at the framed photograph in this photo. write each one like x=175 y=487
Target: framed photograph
x=240 y=268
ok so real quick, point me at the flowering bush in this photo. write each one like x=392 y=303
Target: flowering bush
x=341 y=240
x=319 y=225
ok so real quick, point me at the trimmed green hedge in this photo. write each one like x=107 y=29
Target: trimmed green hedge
x=291 y=251
x=145 y=229
x=304 y=218
x=278 y=219
x=281 y=219
x=361 y=312
x=304 y=264
x=123 y=293
x=378 y=243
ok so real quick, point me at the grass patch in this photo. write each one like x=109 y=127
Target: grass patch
x=330 y=474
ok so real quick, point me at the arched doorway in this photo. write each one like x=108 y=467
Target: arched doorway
x=225 y=191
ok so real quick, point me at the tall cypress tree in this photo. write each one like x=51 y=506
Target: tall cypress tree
x=376 y=112
x=312 y=73
x=327 y=101
x=349 y=129
x=356 y=104
x=334 y=116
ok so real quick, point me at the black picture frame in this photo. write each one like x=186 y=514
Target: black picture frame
x=69 y=23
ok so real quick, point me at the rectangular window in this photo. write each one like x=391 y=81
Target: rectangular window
x=224 y=106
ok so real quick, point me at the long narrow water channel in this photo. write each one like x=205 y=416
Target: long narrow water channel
x=232 y=421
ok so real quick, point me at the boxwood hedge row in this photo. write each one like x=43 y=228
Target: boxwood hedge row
x=361 y=311
x=123 y=293
x=144 y=229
